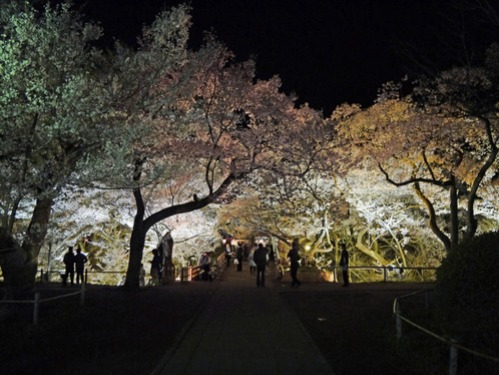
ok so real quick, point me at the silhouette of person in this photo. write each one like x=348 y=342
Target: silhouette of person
x=80 y=260
x=228 y=254
x=69 y=263
x=344 y=264
x=239 y=256
x=251 y=262
x=294 y=260
x=260 y=258
x=205 y=264
x=155 y=267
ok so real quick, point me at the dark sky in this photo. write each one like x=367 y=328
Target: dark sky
x=326 y=51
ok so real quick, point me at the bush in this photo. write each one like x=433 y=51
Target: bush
x=468 y=294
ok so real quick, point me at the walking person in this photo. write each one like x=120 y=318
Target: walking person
x=80 y=260
x=260 y=258
x=344 y=264
x=294 y=260
x=69 y=263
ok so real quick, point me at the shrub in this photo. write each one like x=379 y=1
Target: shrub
x=468 y=294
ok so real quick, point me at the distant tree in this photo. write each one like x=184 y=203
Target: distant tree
x=51 y=104
x=297 y=195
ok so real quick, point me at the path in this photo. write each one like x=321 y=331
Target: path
x=244 y=330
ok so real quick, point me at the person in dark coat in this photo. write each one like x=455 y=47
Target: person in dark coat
x=205 y=264
x=239 y=256
x=80 y=260
x=69 y=263
x=344 y=264
x=260 y=258
x=294 y=260
x=155 y=267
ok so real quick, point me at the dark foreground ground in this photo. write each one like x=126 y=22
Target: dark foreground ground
x=127 y=333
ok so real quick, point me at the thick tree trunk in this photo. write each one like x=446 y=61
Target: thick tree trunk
x=19 y=262
x=454 y=215
x=137 y=242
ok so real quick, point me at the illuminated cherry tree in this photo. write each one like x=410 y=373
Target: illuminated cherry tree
x=51 y=104
x=441 y=140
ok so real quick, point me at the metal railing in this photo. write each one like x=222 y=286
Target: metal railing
x=453 y=345
x=37 y=301
x=186 y=274
x=387 y=273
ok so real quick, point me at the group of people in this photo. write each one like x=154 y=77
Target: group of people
x=259 y=258
x=74 y=262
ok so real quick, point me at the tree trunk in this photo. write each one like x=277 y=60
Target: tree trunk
x=433 y=218
x=454 y=215
x=37 y=229
x=19 y=263
x=142 y=225
x=137 y=242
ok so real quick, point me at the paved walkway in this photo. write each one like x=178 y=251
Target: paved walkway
x=244 y=330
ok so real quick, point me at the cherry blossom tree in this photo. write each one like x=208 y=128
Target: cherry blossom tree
x=441 y=139
x=194 y=116
x=51 y=103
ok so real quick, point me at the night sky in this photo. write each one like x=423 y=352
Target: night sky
x=326 y=51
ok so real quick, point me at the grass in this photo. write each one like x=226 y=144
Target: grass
x=116 y=332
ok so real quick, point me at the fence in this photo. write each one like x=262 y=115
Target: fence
x=37 y=301
x=454 y=346
x=385 y=274
x=186 y=274
x=194 y=272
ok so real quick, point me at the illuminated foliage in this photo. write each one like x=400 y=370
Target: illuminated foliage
x=51 y=104
x=444 y=137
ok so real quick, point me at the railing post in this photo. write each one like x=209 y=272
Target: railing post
x=82 y=293
x=41 y=275
x=384 y=274
x=453 y=358
x=398 y=321
x=36 y=308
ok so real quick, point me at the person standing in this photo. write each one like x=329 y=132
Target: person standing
x=344 y=264
x=69 y=263
x=228 y=254
x=239 y=256
x=155 y=267
x=294 y=260
x=251 y=262
x=205 y=265
x=260 y=258
x=80 y=260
